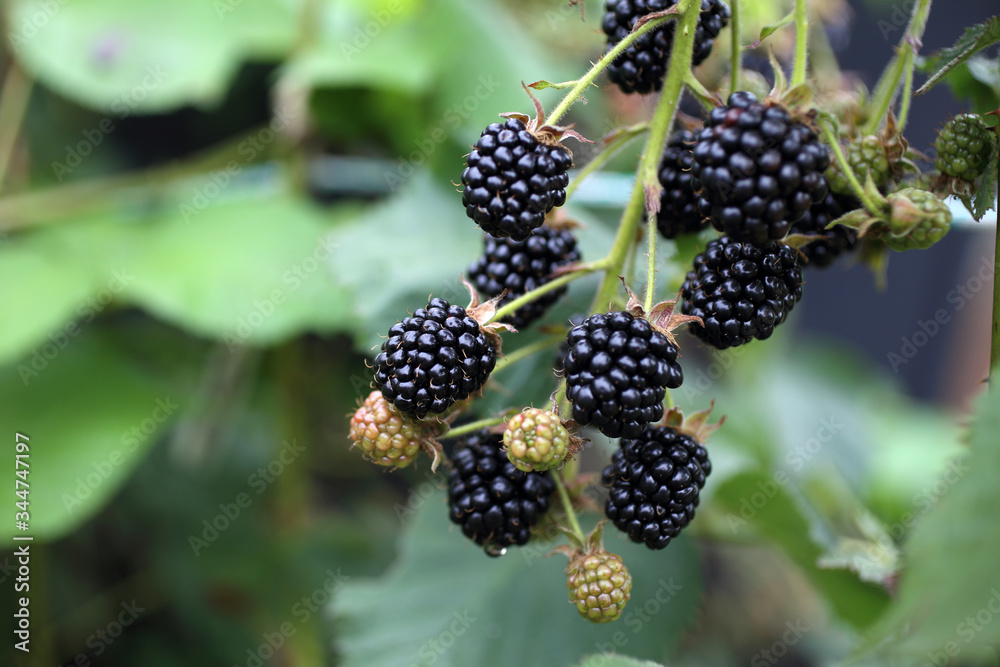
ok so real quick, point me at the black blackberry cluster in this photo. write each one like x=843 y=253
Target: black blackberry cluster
x=512 y=180
x=617 y=371
x=834 y=242
x=495 y=503
x=433 y=358
x=756 y=170
x=642 y=66
x=740 y=291
x=560 y=362
x=678 y=205
x=521 y=266
x=654 y=483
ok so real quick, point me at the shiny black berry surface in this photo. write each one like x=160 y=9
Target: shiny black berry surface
x=678 y=213
x=833 y=242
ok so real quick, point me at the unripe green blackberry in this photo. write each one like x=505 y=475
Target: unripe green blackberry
x=918 y=220
x=964 y=146
x=536 y=440
x=599 y=585
x=866 y=156
x=383 y=434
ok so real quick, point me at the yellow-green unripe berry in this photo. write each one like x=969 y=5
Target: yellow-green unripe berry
x=599 y=585
x=383 y=434
x=536 y=440
x=918 y=217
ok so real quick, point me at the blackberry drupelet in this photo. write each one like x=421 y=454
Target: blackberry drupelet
x=617 y=371
x=642 y=66
x=756 y=170
x=654 y=481
x=383 y=434
x=834 y=242
x=740 y=291
x=495 y=503
x=678 y=204
x=512 y=180
x=559 y=367
x=433 y=358
x=964 y=147
x=521 y=266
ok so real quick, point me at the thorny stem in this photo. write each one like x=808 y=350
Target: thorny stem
x=736 y=49
x=564 y=279
x=14 y=99
x=599 y=160
x=801 y=43
x=568 y=506
x=526 y=351
x=834 y=144
x=471 y=427
x=885 y=91
x=587 y=79
x=904 y=104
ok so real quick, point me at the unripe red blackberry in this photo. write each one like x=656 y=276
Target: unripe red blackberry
x=495 y=503
x=383 y=434
x=599 y=585
x=833 y=242
x=617 y=372
x=964 y=147
x=740 y=291
x=433 y=358
x=521 y=266
x=756 y=170
x=678 y=213
x=536 y=440
x=512 y=180
x=654 y=481
x=642 y=66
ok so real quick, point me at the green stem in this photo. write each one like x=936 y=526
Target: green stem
x=14 y=99
x=599 y=160
x=624 y=240
x=888 y=84
x=526 y=351
x=650 y=262
x=587 y=79
x=736 y=49
x=904 y=104
x=834 y=144
x=556 y=283
x=801 y=43
x=472 y=426
x=568 y=506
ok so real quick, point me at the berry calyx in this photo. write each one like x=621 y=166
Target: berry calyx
x=678 y=212
x=917 y=220
x=536 y=440
x=514 y=268
x=642 y=66
x=757 y=170
x=433 y=358
x=599 y=585
x=741 y=291
x=494 y=503
x=385 y=436
x=965 y=145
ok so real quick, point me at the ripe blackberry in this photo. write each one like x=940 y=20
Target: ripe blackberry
x=495 y=503
x=521 y=266
x=642 y=66
x=740 y=291
x=835 y=241
x=866 y=156
x=756 y=170
x=512 y=180
x=383 y=434
x=918 y=220
x=654 y=483
x=536 y=440
x=964 y=146
x=560 y=363
x=617 y=371
x=678 y=204
x=433 y=358
x=599 y=585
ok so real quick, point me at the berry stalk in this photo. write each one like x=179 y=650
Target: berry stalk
x=568 y=506
x=556 y=283
x=801 y=44
x=588 y=79
x=833 y=143
x=472 y=427
x=526 y=351
x=736 y=49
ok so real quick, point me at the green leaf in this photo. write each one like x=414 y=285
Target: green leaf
x=142 y=57
x=985 y=196
x=769 y=30
x=950 y=585
x=91 y=415
x=606 y=660
x=976 y=80
x=973 y=40
x=446 y=603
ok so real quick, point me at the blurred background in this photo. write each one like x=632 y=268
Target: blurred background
x=209 y=212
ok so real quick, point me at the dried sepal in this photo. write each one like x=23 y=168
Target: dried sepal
x=663 y=316
x=696 y=424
